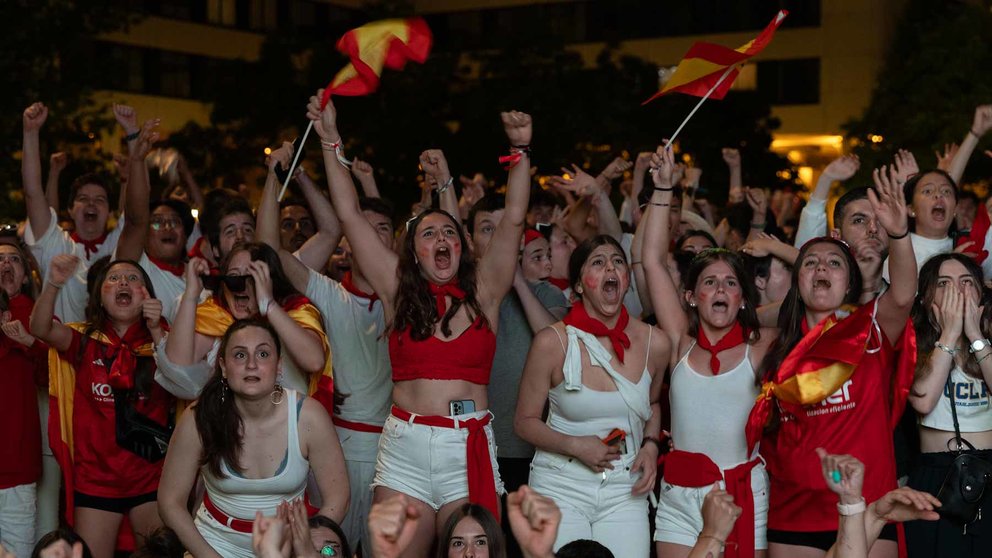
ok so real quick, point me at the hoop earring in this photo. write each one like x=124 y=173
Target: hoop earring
x=277 y=395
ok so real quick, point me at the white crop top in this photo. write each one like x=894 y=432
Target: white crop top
x=709 y=413
x=971 y=399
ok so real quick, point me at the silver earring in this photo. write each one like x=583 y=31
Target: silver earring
x=223 y=390
x=277 y=395
x=692 y=305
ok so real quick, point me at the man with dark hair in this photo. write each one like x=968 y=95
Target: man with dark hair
x=232 y=222
x=295 y=223
x=89 y=209
x=855 y=224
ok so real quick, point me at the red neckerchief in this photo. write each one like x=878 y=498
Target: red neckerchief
x=91 y=246
x=177 y=270
x=451 y=289
x=125 y=362
x=349 y=285
x=559 y=282
x=578 y=318
x=731 y=339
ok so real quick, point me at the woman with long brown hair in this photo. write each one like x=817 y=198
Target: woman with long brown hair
x=253 y=444
x=104 y=372
x=442 y=310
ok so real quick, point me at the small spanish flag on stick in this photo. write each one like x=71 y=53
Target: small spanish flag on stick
x=389 y=43
x=708 y=70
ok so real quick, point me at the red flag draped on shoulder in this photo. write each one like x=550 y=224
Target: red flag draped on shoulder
x=705 y=63
x=382 y=44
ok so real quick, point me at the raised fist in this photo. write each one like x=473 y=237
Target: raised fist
x=127 y=117
x=732 y=157
x=324 y=120
x=982 y=121
x=34 y=117
x=57 y=162
x=62 y=268
x=518 y=127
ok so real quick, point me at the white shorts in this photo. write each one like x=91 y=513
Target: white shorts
x=679 y=519
x=17 y=517
x=594 y=506
x=429 y=463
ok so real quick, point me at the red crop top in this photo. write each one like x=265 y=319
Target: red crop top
x=468 y=357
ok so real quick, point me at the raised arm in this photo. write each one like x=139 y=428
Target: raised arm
x=636 y=260
x=538 y=317
x=889 y=204
x=180 y=345
x=132 y=242
x=267 y=219
x=318 y=248
x=496 y=267
x=195 y=193
x=435 y=166
x=34 y=197
x=304 y=346
x=365 y=175
x=182 y=464
x=56 y=164
x=928 y=386
x=42 y=324
x=376 y=260
x=732 y=157
x=758 y=201
x=980 y=125
x=663 y=290
x=813 y=218
x=845 y=475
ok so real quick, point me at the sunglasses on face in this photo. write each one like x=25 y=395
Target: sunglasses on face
x=234 y=283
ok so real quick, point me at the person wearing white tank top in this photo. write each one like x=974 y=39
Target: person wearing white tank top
x=713 y=384
x=254 y=444
x=597 y=453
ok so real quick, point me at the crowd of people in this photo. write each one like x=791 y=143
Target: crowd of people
x=512 y=371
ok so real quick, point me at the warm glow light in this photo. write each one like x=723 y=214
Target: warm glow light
x=195 y=212
x=795 y=156
x=790 y=141
x=875 y=138
x=806 y=175
x=268 y=150
x=566 y=176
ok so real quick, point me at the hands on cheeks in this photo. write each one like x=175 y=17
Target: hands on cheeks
x=259 y=272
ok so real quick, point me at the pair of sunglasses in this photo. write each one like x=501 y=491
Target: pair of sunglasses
x=235 y=283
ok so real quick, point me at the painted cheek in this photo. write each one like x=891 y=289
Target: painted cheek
x=423 y=253
x=591 y=283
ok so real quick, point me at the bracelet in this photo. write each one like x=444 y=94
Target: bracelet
x=758 y=226
x=132 y=137
x=987 y=355
x=722 y=542
x=330 y=145
x=444 y=187
x=897 y=237
x=660 y=189
x=56 y=285
x=264 y=309
x=661 y=204
x=852 y=509
x=945 y=348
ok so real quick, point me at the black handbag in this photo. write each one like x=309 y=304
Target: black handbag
x=139 y=434
x=963 y=489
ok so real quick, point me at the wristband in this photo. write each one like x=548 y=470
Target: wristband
x=852 y=509
x=335 y=146
x=660 y=189
x=444 y=187
x=263 y=306
x=897 y=237
x=758 y=226
x=132 y=137
x=661 y=204
x=651 y=439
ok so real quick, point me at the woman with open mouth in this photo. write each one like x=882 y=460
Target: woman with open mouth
x=254 y=445
x=933 y=200
x=720 y=344
x=252 y=285
x=837 y=377
x=601 y=371
x=104 y=368
x=442 y=310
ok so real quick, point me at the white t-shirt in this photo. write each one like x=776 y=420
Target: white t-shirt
x=70 y=305
x=362 y=370
x=923 y=249
x=971 y=400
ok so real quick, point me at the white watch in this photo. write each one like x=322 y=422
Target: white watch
x=852 y=509
x=978 y=345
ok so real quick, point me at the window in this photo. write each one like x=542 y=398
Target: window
x=174 y=74
x=790 y=82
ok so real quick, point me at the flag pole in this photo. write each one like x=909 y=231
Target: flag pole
x=296 y=158
x=726 y=73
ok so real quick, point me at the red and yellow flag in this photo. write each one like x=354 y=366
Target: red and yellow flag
x=382 y=44
x=705 y=63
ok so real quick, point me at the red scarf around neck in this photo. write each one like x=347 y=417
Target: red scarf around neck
x=731 y=339
x=348 y=283
x=559 y=282
x=451 y=289
x=91 y=246
x=125 y=360
x=578 y=318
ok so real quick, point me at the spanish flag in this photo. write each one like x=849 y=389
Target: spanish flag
x=705 y=63
x=388 y=43
x=825 y=358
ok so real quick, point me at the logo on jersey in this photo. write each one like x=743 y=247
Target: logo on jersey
x=837 y=402
x=102 y=392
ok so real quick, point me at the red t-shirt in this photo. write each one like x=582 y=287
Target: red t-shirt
x=102 y=468
x=854 y=421
x=24 y=369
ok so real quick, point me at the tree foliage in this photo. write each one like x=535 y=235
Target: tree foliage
x=46 y=54
x=935 y=74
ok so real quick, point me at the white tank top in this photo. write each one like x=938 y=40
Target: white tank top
x=709 y=413
x=971 y=399
x=241 y=498
x=577 y=410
